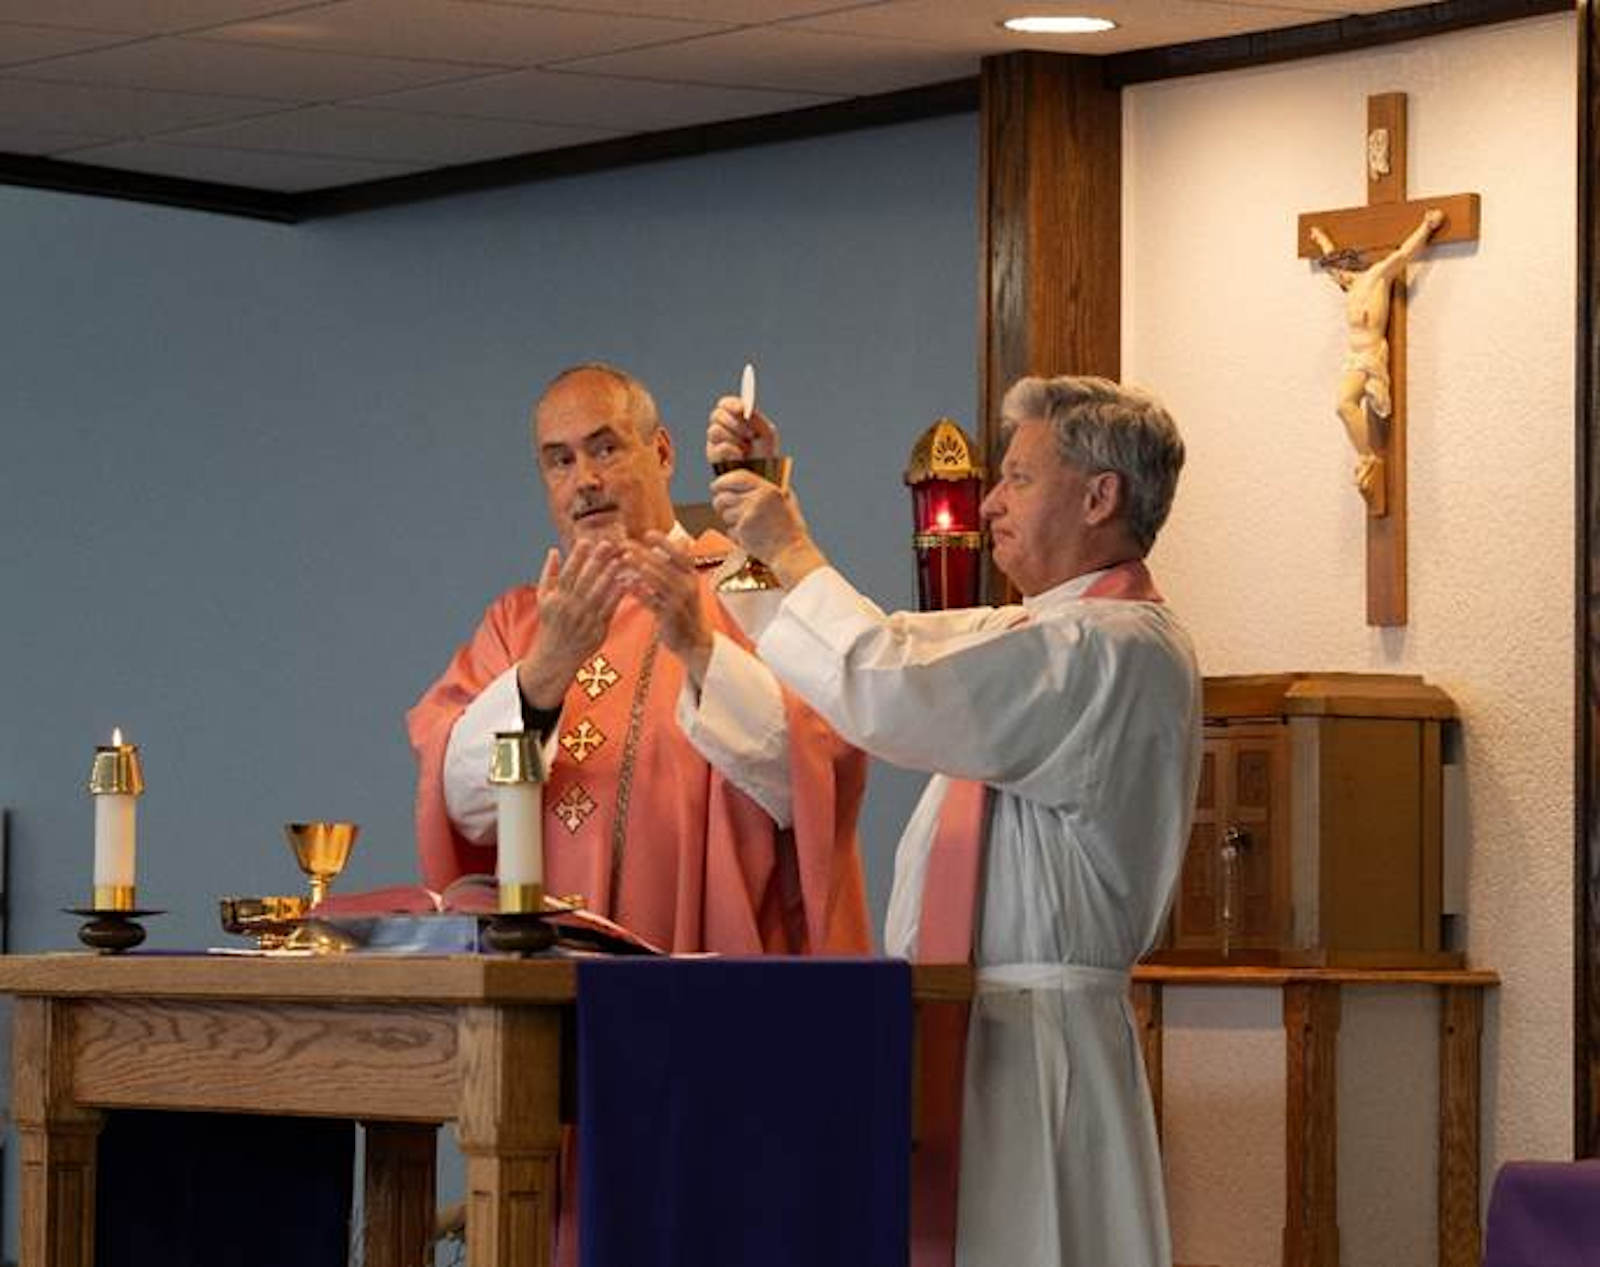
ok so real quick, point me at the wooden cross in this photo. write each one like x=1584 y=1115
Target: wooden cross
x=1375 y=230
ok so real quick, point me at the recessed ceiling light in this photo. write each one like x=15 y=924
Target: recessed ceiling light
x=1059 y=25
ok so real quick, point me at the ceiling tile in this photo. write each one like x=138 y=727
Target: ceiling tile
x=974 y=25
x=20 y=44
x=731 y=12
x=386 y=135
x=808 y=61
x=628 y=105
x=118 y=112
x=252 y=70
x=447 y=30
x=283 y=173
x=139 y=17
x=19 y=138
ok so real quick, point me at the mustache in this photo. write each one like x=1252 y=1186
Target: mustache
x=589 y=504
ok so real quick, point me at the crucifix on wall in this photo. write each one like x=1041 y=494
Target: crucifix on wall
x=1366 y=251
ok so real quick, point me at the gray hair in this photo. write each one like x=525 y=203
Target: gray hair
x=641 y=404
x=1102 y=426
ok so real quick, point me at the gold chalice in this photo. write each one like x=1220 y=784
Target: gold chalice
x=321 y=849
x=754 y=575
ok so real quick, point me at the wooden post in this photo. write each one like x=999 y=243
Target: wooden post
x=1050 y=229
x=1460 y=1028
x=510 y=1131
x=1311 y=1153
x=1586 y=932
x=59 y=1140
x=1146 y=997
x=399 y=1194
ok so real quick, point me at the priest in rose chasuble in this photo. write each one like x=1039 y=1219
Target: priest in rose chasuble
x=1063 y=735
x=690 y=797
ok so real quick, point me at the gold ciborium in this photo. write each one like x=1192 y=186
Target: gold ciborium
x=270 y=920
x=754 y=575
x=321 y=849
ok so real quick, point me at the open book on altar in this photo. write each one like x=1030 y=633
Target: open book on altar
x=410 y=917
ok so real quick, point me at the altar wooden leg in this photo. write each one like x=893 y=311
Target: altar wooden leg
x=399 y=1194
x=1311 y=1033
x=510 y=1131
x=1146 y=999
x=58 y=1140
x=1460 y=1028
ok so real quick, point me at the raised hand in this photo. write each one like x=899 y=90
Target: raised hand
x=766 y=522
x=731 y=436
x=661 y=574
x=576 y=602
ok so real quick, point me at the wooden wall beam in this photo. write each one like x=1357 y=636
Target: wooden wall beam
x=1586 y=887
x=1050 y=226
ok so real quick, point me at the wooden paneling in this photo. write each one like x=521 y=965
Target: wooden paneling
x=1371 y=835
x=1050 y=223
x=289 y=1059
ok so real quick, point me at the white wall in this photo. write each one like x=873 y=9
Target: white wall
x=1265 y=557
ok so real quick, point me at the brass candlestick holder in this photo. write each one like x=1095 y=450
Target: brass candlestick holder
x=116 y=781
x=321 y=849
x=754 y=575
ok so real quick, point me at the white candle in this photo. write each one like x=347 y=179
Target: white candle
x=113 y=840
x=521 y=833
x=114 y=830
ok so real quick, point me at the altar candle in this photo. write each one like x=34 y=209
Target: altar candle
x=116 y=783
x=516 y=772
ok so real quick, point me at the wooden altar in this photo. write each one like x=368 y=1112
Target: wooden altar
x=400 y=1044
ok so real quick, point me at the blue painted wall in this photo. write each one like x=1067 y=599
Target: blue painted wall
x=258 y=480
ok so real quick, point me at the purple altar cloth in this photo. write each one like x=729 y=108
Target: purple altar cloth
x=1544 y=1214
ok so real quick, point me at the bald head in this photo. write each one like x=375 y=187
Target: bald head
x=604 y=455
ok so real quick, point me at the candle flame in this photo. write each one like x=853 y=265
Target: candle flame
x=943 y=518
x=116 y=736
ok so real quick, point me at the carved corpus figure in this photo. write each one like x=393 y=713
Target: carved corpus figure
x=1364 y=398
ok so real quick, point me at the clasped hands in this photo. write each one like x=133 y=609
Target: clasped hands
x=579 y=595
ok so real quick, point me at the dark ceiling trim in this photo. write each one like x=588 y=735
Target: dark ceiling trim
x=169 y=191
x=954 y=96
x=1318 y=39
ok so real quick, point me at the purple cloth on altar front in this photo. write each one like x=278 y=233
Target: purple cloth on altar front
x=1545 y=1214
x=744 y=1112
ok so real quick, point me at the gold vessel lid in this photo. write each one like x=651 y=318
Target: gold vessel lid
x=116 y=771
x=517 y=758
x=942 y=452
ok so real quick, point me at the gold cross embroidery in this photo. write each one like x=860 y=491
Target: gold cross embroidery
x=574 y=806
x=582 y=739
x=596 y=676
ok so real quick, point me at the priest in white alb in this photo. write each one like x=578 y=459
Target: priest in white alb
x=1063 y=734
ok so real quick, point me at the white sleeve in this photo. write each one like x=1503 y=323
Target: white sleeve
x=974 y=694
x=737 y=723
x=468 y=797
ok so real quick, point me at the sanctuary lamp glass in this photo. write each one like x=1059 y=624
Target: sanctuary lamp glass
x=946 y=492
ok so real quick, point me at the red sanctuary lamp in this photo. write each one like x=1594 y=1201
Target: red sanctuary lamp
x=946 y=490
